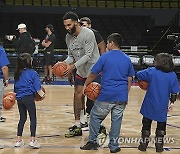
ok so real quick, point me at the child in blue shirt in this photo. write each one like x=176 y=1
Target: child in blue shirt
x=163 y=86
x=4 y=62
x=117 y=72
x=26 y=85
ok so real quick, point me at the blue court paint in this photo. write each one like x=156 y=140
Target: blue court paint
x=167 y=149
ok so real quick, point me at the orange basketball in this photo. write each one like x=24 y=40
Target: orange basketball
x=37 y=97
x=143 y=84
x=92 y=90
x=8 y=101
x=59 y=68
x=9 y=93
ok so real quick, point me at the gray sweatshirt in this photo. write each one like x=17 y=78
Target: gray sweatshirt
x=82 y=51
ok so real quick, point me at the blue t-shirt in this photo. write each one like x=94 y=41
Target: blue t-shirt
x=161 y=85
x=28 y=84
x=116 y=67
x=3 y=61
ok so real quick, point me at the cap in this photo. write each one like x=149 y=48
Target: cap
x=50 y=27
x=21 y=26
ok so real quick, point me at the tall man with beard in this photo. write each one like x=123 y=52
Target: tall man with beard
x=82 y=55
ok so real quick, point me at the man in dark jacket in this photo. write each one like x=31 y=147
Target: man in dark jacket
x=24 y=43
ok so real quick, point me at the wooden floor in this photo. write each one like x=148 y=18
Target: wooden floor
x=55 y=115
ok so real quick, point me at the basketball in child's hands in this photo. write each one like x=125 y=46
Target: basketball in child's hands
x=38 y=97
x=60 y=68
x=8 y=101
x=92 y=90
x=143 y=84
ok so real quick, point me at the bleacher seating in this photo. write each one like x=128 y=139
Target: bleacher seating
x=136 y=31
x=37 y=2
x=100 y=3
x=128 y=26
x=148 y=60
x=28 y=2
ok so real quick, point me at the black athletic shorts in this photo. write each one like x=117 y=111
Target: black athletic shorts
x=79 y=81
x=48 y=59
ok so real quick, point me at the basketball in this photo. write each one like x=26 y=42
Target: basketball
x=8 y=102
x=37 y=97
x=59 y=68
x=9 y=93
x=92 y=90
x=143 y=84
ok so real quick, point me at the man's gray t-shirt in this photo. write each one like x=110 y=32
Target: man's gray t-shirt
x=82 y=51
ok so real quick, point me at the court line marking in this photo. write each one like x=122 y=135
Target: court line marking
x=172 y=126
x=78 y=147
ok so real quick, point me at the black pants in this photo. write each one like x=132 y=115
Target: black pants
x=147 y=125
x=27 y=104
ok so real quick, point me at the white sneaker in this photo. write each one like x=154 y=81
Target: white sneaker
x=19 y=143
x=1 y=146
x=34 y=144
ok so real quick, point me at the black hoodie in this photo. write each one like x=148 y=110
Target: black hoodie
x=24 y=44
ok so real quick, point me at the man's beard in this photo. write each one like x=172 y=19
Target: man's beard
x=72 y=31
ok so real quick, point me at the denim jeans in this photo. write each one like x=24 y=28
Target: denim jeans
x=98 y=113
x=1 y=94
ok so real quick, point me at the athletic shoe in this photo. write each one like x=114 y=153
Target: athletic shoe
x=19 y=143
x=115 y=151
x=50 y=81
x=74 y=131
x=45 y=80
x=2 y=119
x=90 y=146
x=1 y=146
x=72 y=127
x=84 y=127
x=34 y=144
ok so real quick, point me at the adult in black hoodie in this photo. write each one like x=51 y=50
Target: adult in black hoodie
x=24 y=44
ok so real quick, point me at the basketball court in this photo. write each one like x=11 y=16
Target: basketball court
x=55 y=115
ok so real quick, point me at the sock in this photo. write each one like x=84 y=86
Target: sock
x=82 y=117
x=88 y=118
x=77 y=123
